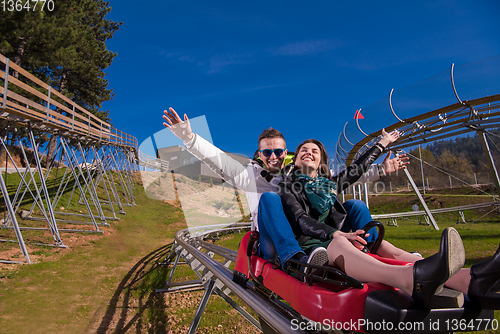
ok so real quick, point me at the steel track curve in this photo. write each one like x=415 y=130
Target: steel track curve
x=191 y=246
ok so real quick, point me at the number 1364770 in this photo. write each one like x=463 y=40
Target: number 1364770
x=26 y=5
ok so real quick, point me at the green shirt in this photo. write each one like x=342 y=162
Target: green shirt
x=313 y=242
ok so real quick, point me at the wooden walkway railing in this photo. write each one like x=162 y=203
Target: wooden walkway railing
x=27 y=98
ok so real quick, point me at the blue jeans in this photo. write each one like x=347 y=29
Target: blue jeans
x=358 y=215
x=276 y=235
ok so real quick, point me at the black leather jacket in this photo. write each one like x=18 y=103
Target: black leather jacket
x=297 y=206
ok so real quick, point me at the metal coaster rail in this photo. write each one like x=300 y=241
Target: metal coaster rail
x=473 y=115
x=419 y=129
x=216 y=277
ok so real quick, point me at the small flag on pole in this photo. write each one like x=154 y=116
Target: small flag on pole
x=358 y=115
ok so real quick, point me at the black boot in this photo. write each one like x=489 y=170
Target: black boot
x=484 y=287
x=430 y=274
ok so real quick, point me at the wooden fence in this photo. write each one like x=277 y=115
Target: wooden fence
x=24 y=98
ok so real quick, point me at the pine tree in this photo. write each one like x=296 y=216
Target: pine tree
x=65 y=48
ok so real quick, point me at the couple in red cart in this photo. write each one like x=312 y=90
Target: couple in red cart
x=295 y=208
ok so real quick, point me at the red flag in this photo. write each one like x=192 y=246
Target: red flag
x=358 y=115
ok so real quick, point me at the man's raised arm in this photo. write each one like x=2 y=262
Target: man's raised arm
x=219 y=162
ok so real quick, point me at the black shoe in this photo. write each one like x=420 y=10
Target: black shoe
x=300 y=263
x=484 y=287
x=430 y=274
x=318 y=257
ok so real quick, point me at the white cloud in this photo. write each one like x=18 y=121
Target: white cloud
x=187 y=58
x=214 y=64
x=307 y=47
x=177 y=55
x=170 y=54
x=218 y=61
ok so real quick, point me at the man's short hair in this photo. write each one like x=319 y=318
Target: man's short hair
x=271 y=133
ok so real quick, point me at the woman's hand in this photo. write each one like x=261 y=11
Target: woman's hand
x=354 y=237
x=391 y=165
x=388 y=138
x=181 y=129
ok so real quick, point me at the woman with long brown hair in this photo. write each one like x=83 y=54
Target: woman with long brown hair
x=309 y=197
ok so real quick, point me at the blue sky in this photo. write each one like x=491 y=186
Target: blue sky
x=300 y=67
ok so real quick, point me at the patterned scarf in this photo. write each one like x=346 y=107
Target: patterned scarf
x=320 y=191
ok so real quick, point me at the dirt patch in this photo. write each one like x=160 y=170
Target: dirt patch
x=40 y=253
x=174 y=203
x=17 y=162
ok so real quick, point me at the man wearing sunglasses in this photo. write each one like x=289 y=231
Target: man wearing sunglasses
x=262 y=176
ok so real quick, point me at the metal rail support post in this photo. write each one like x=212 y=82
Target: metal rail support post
x=101 y=171
x=112 y=182
x=43 y=185
x=46 y=177
x=73 y=166
x=19 y=195
x=19 y=236
x=120 y=169
x=365 y=188
x=426 y=209
x=92 y=189
x=421 y=167
x=491 y=163
x=204 y=300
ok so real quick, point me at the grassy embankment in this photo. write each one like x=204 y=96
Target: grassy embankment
x=105 y=284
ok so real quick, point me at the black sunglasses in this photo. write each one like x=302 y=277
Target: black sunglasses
x=277 y=151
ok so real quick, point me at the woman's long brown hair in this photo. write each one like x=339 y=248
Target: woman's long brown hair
x=324 y=169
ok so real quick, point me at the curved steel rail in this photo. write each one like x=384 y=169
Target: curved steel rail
x=456 y=119
x=215 y=277
x=453 y=84
x=419 y=129
x=392 y=109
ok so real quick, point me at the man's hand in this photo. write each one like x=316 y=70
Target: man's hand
x=180 y=128
x=391 y=165
x=388 y=138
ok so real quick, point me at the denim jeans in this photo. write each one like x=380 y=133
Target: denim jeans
x=276 y=235
x=358 y=215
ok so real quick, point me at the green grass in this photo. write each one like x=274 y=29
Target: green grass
x=107 y=283
x=62 y=293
